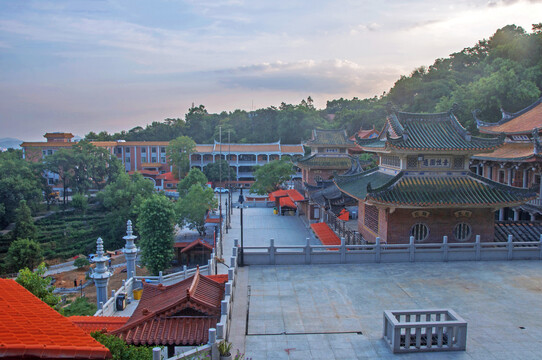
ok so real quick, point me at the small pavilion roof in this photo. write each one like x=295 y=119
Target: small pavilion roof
x=356 y=185
x=427 y=132
x=29 y=328
x=330 y=137
x=287 y=202
x=195 y=243
x=518 y=123
x=320 y=161
x=179 y=314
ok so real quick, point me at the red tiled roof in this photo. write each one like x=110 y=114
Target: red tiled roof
x=29 y=328
x=277 y=194
x=509 y=151
x=287 y=202
x=196 y=243
x=98 y=323
x=292 y=149
x=364 y=134
x=179 y=314
x=167 y=176
x=221 y=278
x=295 y=195
x=326 y=235
x=523 y=122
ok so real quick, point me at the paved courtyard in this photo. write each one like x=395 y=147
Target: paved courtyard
x=335 y=311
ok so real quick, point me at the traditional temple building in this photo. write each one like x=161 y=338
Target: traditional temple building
x=328 y=155
x=361 y=134
x=423 y=186
x=519 y=161
x=176 y=315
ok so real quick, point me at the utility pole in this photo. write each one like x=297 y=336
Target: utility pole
x=221 y=185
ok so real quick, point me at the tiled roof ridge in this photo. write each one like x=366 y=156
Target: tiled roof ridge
x=352 y=177
x=195 y=281
x=386 y=185
x=226 y=144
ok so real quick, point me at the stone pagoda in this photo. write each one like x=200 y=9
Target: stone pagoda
x=423 y=186
x=101 y=274
x=130 y=251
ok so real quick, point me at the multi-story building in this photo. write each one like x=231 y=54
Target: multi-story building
x=244 y=157
x=423 y=186
x=518 y=162
x=150 y=159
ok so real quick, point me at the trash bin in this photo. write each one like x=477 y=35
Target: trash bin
x=275 y=211
x=137 y=294
x=121 y=302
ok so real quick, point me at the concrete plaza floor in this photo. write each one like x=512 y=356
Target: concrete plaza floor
x=336 y=311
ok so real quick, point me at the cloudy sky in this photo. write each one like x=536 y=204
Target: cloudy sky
x=76 y=65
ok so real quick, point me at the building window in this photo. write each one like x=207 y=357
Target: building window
x=143 y=159
x=317 y=178
x=459 y=162
x=127 y=160
x=169 y=185
x=392 y=161
x=412 y=162
x=127 y=150
x=420 y=232
x=49 y=152
x=163 y=150
x=371 y=218
x=462 y=232
x=153 y=150
x=51 y=181
x=153 y=159
x=143 y=150
x=163 y=159
x=501 y=176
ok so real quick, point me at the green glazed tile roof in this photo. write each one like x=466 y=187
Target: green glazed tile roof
x=429 y=132
x=356 y=185
x=329 y=137
x=325 y=162
x=447 y=191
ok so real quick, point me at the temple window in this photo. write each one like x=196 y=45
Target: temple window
x=462 y=232
x=420 y=232
x=412 y=162
x=392 y=161
x=371 y=218
x=459 y=162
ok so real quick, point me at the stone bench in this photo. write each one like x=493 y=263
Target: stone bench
x=424 y=330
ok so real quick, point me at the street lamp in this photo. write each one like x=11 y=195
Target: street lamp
x=241 y=201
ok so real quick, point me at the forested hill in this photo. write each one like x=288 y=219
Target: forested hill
x=504 y=71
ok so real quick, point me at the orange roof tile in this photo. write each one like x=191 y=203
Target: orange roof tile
x=287 y=202
x=292 y=149
x=98 y=323
x=523 y=123
x=220 y=278
x=167 y=176
x=295 y=195
x=277 y=194
x=178 y=314
x=326 y=235
x=509 y=151
x=204 y=148
x=30 y=328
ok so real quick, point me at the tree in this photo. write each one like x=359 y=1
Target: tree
x=81 y=262
x=79 y=202
x=178 y=152
x=156 y=226
x=120 y=350
x=24 y=223
x=38 y=285
x=192 y=208
x=19 y=180
x=61 y=163
x=23 y=253
x=270 y=176
x=123 y=198
x=195 y=176
x=79 y=307
x=212 y=171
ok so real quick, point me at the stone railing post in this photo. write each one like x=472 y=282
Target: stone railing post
x=377 y=250
x=214 y=346
x=540 y=246
x=272 y=252
x=223 y=307
x=510 y=247
x=220 y=331
x=156 y=353
x=445 y=248
x=234 y=251
x=343 y=251
x=412 y=249
x=236 y=242
x=184 y=271
x=209 y=267
x=308 y=250
x=160 y=277
x=477 y=248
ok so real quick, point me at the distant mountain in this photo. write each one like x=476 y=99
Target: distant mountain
x=7 y=143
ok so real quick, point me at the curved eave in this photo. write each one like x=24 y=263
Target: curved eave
x=492 y=132
x=518 y=159
x=466 y=150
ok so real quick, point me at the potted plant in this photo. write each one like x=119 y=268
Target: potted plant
x=224 y=348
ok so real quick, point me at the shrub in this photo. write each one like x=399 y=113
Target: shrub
x=80 y=262
x=81 y=307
